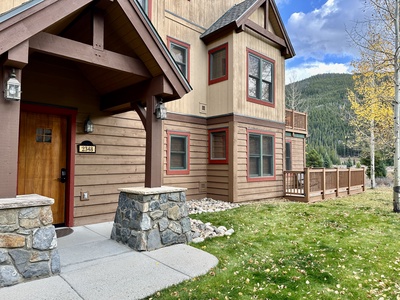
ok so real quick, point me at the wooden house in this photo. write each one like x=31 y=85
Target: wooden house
x=219 y=69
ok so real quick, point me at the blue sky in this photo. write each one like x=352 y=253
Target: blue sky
x=317 y=30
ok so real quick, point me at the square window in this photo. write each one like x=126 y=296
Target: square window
x=178 y=161
x=260 y=79
x=261 y=156
x=218 y=146
x=180 y=52
x=43 y=135
x=218 y=64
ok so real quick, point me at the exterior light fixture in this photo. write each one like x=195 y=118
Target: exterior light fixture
x=13 y=88
x=161 y=111
x=89 y=127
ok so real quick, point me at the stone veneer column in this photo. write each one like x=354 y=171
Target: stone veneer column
x=151 y=218
x=28 y=241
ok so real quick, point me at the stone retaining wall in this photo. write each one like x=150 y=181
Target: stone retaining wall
x=28 y=241
x=151 y=218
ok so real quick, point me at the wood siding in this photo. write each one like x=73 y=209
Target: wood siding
x=249 y=40
x=171 y=20
x=298 y=153
x=253 y=191
x=198 y=158
x=119 y=139
x=6 y=5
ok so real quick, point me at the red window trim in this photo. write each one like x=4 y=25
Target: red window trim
x=178 y=172
x=254 y=100
x=261 y=178
x=210 y=52
x=184 y=45
x=218 y=161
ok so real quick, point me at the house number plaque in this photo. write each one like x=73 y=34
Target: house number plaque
x=86 y=147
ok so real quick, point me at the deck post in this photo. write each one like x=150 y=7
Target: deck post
x=307 y=184
x=363 y=181
x=284 y=183
x=349 y=182
x=323 y=183
x=337 y=181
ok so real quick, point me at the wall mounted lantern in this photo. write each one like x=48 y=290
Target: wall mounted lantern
x=13 y=88
x=89 y=127
x=161 y=111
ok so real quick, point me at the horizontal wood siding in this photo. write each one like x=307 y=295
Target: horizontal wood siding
x=253 y=191
x=120 y=139
x=119 y=162
x=198 y=158
x=218 y=175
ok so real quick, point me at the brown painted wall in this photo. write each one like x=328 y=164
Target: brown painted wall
x=9 y=116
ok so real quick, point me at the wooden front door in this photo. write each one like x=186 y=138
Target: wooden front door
x=42 y=157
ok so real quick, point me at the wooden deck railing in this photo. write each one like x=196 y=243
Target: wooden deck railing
x=318 y=184
x=296 y=121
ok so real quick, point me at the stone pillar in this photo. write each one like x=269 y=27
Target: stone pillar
x=151 y=218
x=28 y=241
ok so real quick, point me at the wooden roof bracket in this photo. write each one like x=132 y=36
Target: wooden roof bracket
x=98 y=29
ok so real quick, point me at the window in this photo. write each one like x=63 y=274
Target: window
x=180 y=51
x=178 y=161
x=260 y=85
x=146 y=5
x=261 y=152
x=288 y=156
x=218 y=64
x=218 y=146
x=43 y=135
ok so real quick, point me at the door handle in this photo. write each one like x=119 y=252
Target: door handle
x=63 y=178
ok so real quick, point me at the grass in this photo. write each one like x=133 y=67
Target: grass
x=338 y=249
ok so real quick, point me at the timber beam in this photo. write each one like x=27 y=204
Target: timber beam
x=79 y=52
x=158 y=86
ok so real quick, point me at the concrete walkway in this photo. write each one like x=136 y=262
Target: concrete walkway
x=95 y=267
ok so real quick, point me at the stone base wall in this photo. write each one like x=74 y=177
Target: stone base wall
x=152 y=218
x=28 y=241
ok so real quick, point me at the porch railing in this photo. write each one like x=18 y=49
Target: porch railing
x=296 y=121
x=318 y=184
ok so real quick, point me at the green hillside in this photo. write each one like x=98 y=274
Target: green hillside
x=326 y=103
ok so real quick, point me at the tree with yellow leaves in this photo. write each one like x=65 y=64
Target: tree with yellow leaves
x=378 y=38
x=371 y=102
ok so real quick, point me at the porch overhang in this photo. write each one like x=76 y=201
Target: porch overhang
x=112 y=44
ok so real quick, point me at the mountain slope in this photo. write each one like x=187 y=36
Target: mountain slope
x=326 y=103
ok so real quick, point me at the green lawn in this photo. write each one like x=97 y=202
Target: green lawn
x=345 y=248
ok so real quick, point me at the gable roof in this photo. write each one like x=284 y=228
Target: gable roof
x=230 y=17
x=40 y=22
x=237 y=18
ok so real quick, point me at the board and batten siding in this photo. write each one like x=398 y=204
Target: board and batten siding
x=249 y=40
x=198 y=140
x=6 y=5
x=298 y=153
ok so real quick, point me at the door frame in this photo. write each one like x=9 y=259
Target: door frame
x=70 y=113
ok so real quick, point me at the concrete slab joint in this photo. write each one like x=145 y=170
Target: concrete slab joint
x=151 y=218
x=28 y=241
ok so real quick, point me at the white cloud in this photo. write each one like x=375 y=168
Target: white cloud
x=310 y=69
x=323 y=30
